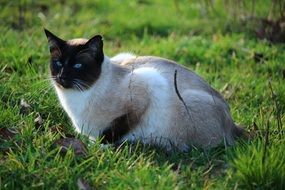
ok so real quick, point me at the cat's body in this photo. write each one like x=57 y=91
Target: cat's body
x=142 y=99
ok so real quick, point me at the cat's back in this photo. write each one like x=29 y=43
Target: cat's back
x=185 y=78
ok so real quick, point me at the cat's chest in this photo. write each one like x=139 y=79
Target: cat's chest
x=86 y=109
x=75 y=103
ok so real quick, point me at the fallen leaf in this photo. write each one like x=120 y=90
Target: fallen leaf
x=25 y=108
x=259 y=57
x=83 y=185
x=176 y=168
x=6 y=133
x=38 y=121
x=254 y=131
x=58 y=129
x=7 y=69
x=76 y=145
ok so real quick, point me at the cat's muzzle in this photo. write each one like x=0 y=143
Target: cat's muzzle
x=64 y=82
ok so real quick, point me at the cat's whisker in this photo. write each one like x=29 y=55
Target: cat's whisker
x=86 y=85
x=48 y=89
x=80 y=88
x=42 y=91
x=44 y=88
x=82 y=83
x=40 y=85
x=79 y=81
x=37 y=77
x=41 y=82
x=77 y=86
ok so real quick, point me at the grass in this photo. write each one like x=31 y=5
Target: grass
x=242 y=68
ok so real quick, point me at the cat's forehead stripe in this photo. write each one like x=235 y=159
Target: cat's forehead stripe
x=77 y=41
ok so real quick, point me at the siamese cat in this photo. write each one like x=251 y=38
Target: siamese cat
x=137 y=98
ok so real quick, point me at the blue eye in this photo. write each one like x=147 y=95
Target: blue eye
x=77 y=66
x=57 y=63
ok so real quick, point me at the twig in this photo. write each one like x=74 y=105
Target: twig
x=278 y=117
x=266 y=143
x=179 y=95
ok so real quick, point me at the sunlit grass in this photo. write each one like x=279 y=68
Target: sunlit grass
x=177 y=30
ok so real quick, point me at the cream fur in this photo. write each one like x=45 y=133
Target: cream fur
x=119 y=58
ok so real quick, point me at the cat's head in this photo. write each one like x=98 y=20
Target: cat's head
x=75 y=63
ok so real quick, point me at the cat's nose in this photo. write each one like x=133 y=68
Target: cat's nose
x=63 y=81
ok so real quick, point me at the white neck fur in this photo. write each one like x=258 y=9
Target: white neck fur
x=76 y=103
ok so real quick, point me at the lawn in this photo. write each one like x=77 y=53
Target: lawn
x=249 y=72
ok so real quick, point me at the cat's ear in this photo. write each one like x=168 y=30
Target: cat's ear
x=55 y=43
x=95 y=44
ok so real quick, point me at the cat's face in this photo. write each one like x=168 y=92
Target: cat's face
x=75 y=65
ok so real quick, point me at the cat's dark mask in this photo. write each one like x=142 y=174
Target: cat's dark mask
x=75 y=64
